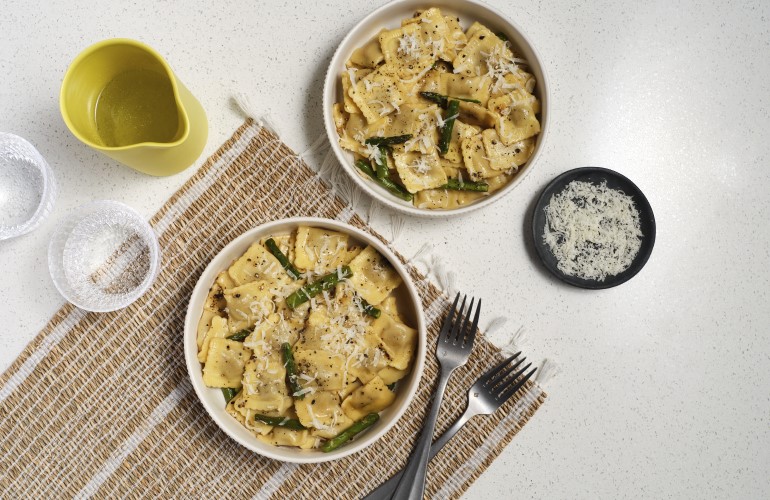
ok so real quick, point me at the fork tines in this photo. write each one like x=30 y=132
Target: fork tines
x=503 y=382
x=455 y=328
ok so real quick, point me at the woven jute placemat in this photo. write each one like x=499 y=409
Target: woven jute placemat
x=100 y=404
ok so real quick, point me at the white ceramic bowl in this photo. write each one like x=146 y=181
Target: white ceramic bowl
x=213 y=399
x=390 y=16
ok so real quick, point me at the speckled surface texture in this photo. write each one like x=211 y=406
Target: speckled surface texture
x=664 y=383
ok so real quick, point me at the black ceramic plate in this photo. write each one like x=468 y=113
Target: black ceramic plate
x=614 y=180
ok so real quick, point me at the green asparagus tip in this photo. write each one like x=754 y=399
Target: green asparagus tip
x=240 y=336
x=391 y=186
x=346 y=435
x=229 y=393
x=292 y=271
x=292 y=380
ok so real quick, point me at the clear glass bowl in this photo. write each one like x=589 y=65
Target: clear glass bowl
x=103 y=256
x=27 y=187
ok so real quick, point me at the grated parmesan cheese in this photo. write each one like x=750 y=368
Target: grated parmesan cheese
x=409 y=45
x=593 y=231
x=302 y=392
x=316 y=423
x=373 y=152
x=499 y=63
x=351 y=75
x=420 y=165
x=370 y=85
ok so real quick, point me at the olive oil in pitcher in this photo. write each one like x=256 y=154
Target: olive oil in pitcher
x=136 y=106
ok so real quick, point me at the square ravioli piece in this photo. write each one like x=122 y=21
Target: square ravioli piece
x=475 y=158
x=484 y=54
x=517 y=116
x=287 y=437
x=378 y=93
x=517 y=79
x=411 y=119
x=455 y=38
x=436 y=32
x=224 y=363
x=506 y=157
x=264 y=383
x=247 y=304
x=373 y=276
x=418 y=171
x=397 y=339
x=256 y=264
x=320 y=332
x=320 y=369
x=270 y=333
x=368 y=55
x=322 y=412
x=321 y=250
x=413 y=48
x=357 y=129
x=370 y=358
x=369 y=398
x=349 y=78
x=475 y=114
x=217 y=330
x=467 y=87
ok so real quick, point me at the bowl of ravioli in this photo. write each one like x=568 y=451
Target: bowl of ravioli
x=436 y=108
x=305 y=339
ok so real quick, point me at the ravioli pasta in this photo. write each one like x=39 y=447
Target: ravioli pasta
x=346 y=361
x=384 y=95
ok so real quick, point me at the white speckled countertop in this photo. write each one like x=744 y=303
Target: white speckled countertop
x=664 y=390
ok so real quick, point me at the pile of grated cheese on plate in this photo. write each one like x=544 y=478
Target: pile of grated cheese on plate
x=592 y=230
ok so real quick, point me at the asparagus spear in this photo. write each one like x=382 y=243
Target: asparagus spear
x=446 y=131
x=388 y=141
x=240 y=336
x=323 y=283
x=457 y=185
x=288 y=266
x=346 y=435
x=370 y=309
x=391 y=186
x=289 y=423
x=291 y=371
x=443 y=100
x=229 y=393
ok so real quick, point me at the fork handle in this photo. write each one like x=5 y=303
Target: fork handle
x=412 y=483
x=386 y=489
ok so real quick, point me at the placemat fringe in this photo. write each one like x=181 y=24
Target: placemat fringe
x=547 y=371
x=243 y=104
x=515 y=341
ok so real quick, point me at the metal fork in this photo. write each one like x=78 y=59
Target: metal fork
x=455 y=341
x=486 y=395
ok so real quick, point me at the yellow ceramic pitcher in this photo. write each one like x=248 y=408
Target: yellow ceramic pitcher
x=120 y=97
